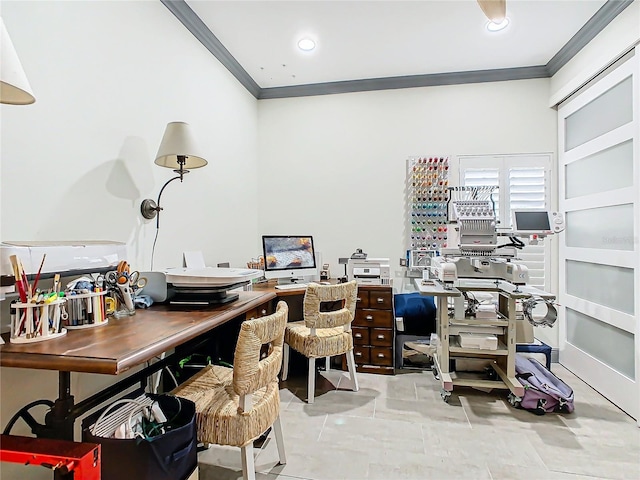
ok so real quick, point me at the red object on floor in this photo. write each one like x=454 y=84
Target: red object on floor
x=62 y=456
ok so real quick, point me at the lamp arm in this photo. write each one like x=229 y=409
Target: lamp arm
x=160 y=195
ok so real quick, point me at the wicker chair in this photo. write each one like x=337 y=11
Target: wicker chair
x=235 y=406
x=323 y=334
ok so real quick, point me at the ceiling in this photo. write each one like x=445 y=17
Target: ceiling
x=368 y=45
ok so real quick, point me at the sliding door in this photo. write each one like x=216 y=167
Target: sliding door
x=599 y=271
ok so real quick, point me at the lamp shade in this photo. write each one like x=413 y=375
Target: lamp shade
x=14 y=86
x=178 y=141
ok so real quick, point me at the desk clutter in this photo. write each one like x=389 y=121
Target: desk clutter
x=86 y=302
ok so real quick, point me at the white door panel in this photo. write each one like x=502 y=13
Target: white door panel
x=599 y=274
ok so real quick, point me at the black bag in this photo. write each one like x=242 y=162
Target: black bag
x=171 y=455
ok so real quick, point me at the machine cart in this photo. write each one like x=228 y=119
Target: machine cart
x=502 y=359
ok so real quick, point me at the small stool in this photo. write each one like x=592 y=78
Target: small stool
x=536 y=348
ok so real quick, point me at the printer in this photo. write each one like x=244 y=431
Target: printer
x=369 y=271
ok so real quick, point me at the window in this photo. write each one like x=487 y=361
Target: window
x=522 y=182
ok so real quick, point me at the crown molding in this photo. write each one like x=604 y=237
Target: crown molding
x=196 y=26
x=602 y=18
x=589 y=30
x=410 y=81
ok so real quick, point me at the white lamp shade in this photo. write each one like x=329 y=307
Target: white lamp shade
x=14 y=86
x=178 y=140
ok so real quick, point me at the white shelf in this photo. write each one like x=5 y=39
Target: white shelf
x=454 y=347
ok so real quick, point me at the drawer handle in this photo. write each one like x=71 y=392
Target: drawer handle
x=264 y=311
x=381 y=355
x=380 y=337
x=358 y=299
x=358 y=335
x=380 y=300
x=358 y=354
x=369 y=318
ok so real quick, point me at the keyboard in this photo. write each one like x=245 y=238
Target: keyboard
x=292 y=286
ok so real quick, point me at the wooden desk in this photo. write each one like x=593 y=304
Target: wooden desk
x=117 y=347
x=126 y=342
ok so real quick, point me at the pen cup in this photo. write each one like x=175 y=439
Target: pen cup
x=121 y=301
x=85 y=310
x=36 y=322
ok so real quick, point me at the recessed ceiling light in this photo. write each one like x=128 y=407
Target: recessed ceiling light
x=306 y=44
x=496 y=27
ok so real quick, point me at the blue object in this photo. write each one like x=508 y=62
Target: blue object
x=418 y=312
x=535 y=348
x=142 y=301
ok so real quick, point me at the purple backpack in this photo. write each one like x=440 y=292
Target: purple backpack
x=543 y=391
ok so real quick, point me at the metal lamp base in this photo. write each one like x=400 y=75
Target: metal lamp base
x=149 y=208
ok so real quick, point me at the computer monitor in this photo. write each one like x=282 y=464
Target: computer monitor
x=532 y=222
x=289 y=258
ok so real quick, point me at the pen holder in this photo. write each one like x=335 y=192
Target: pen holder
x=32 y=322
x=85 y=310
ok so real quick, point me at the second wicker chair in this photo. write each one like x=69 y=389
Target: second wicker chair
x=323 y=334
x=234 y=406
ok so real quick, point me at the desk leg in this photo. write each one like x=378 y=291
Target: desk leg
x=58 y=420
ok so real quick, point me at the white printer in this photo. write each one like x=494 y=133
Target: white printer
x=368 y=271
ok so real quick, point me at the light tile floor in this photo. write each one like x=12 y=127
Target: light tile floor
x=398 y=427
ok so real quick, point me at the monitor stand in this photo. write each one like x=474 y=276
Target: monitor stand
x=290 y=280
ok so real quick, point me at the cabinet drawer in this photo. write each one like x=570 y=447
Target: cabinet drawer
x=382 y=299
x=253 y=313
x=257 y=312
x=361 y=354
x=360 y=335
x=373 y=318
x=382 y=356
x=362 y=299
x=382 y=337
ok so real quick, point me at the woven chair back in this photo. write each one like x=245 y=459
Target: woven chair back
x=317 y=294
x=250 y=373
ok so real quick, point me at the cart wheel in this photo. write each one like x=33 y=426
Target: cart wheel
x=445 y=395
x=514 y=400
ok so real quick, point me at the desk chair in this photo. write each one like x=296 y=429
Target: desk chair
x=323 y=334
x=235 y=406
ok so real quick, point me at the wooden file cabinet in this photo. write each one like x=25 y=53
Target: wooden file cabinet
x=373 y=330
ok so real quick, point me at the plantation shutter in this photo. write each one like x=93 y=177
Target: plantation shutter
x=527 y=190
x=482 y=177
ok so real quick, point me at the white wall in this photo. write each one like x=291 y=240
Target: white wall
x=108 y=76
x=334 y=166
